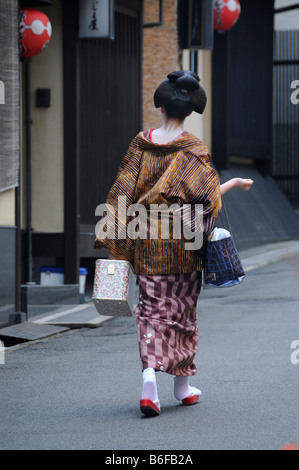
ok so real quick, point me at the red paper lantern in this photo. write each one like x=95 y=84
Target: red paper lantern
x=226 y=14
x=35 y=32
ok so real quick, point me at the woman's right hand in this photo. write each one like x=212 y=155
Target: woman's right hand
x=240 y=183
x=244 y=184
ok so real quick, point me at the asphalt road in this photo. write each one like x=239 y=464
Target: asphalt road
x=81 y=389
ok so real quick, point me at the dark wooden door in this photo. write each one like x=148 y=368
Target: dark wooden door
x=109 y=106
x=102 y=113
x=242 y=87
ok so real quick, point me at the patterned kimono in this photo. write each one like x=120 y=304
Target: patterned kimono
x=169 y=275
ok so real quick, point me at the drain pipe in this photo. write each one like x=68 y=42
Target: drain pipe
x=28 y=165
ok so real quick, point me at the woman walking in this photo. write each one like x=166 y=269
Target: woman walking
x=167 y=166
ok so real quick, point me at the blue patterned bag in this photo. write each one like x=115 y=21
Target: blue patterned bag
x=222 y=267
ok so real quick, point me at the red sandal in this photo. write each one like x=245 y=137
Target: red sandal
x=190 y=400
x=149 y=407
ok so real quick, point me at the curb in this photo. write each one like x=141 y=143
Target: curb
x=255 y=258
x=81 y=316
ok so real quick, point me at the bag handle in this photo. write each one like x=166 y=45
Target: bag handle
x=226 y=215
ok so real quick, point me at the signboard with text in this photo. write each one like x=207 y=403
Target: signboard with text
x=96 y=19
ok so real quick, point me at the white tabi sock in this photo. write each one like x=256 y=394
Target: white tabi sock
x=182 y=389
x=149 y=388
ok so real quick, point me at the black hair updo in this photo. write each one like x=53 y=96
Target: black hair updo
x=181 y=94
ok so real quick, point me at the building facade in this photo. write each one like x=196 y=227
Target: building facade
x=9 y=147
x=286 y=99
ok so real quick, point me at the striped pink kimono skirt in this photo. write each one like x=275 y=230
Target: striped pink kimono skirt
x=167 y=322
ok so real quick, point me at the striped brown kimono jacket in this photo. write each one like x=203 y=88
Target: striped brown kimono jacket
x=169 y=275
